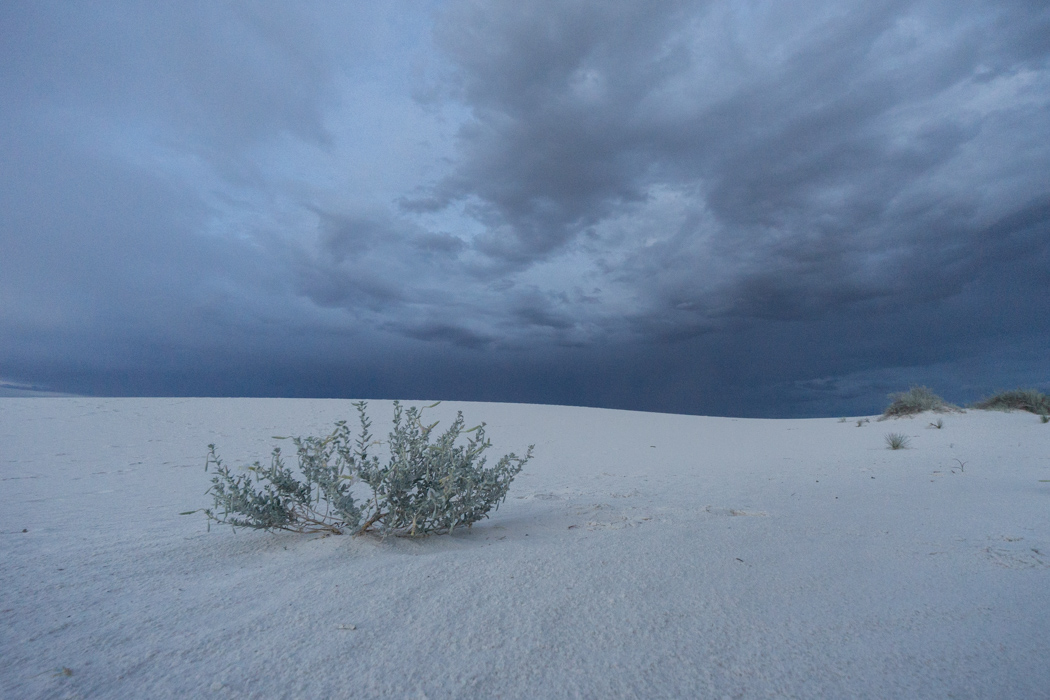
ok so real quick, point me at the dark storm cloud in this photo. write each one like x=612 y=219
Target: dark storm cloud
x=552 y=146
x=815 y=161
x=537 y=309
x=702 y=206
x=456 y=335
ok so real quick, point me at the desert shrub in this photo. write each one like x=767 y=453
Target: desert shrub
x=1022 y=399
x=897 y=441
x=916 y=400
x=423 y=487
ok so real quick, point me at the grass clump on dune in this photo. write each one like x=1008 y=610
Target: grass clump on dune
x=1021 y=399
x=914 y=401
x=897 y=441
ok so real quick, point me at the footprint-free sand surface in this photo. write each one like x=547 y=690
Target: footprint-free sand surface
x=637 y=555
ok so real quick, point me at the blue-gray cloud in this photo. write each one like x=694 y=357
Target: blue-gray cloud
x=674 y=205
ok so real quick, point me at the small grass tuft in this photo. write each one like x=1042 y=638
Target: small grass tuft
x=1020 y=399
x=939 y=424
x=1044 y=418
x=897 y=441
x=916 y=400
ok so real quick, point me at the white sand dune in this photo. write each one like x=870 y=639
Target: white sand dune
x=638 y=555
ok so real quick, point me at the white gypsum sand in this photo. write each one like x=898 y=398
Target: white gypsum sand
x=637 y=555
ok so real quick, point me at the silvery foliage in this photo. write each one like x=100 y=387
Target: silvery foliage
x=274 y=499
x=423 y=488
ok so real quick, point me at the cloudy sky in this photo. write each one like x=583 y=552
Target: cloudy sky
x=719 y=207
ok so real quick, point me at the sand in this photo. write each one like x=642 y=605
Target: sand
x=637 y=555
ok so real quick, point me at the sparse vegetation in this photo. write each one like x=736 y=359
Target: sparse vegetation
x=897 y=441
x=939 y=424
x=862 y=421
x=424 y=488
x=1019 y=399
x=916 y=400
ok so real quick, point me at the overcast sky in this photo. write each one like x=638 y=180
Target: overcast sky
x=740 y=208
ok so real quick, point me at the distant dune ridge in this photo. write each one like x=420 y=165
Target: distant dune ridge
x=637 y=555
x=11 y=389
